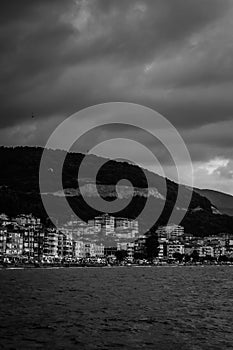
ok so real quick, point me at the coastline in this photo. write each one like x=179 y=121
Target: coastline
x=53 y=267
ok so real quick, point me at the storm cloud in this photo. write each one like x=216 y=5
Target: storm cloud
x=58 y=57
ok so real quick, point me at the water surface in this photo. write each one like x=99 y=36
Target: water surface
x=117 y=308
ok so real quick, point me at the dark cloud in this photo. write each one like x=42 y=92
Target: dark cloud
x=41 y=40
x=58 y=57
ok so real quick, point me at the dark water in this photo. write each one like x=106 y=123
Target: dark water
x=117 y=308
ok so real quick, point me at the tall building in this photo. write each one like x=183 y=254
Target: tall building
x=28 y=242
x=140 y=246
x=170 y=231
x=79 y=250
x=39 y=243
x=3 y=233
x=67 y=246
x=162 y=251
x=14 y=244
x=108 y=225
x=126 y=228
x=174 y=248
x=50 y=247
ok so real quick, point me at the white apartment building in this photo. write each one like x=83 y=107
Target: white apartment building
x=93 y=250
x=79 y=249
x=205 y=251
x=170 y=231
x=174 y=248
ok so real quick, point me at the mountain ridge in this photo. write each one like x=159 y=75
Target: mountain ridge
x=19 y=190
x=223 y=201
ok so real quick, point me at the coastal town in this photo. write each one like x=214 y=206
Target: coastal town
x=105 y=241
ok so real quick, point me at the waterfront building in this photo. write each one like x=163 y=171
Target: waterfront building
x=130 y=250
x=229 y=242
x=60 y=240
x=79 y=249
x=98 y=250
x=162 y=251
x=140 y=246
x=3 y=233
x=50 y=246
x=110 y=252
x=14 y=244
x=38 y=243
x=28 y=242
x=93 y=250
x=205 y=251
x=219 y=251
x=173 y=248
x=67 y=246
x=127 y=246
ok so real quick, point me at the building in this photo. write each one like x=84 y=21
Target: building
x=205 y=251
x=126 y=228
x=140 y=246
x=110 y=252
x=174 y=248
x=171 y=232
x=130 y=250
x=3 y=233
x=162 y=251
x=39 y=243
x=28 y=242
x=67 y=246
x=27 y=220
x=79 y=250
x=93 y=250
x=108 y=225
x=14 y=244
x=50 y=246
x=122 y=245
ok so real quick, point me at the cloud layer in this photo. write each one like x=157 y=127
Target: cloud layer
x=176 y=57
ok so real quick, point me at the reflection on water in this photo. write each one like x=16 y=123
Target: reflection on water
x=117 y=308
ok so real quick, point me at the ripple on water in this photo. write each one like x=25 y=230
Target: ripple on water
x=125 y=308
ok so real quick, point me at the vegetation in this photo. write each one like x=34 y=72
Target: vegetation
x=19 y=190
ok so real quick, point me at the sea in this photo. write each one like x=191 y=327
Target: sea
x=164 y=308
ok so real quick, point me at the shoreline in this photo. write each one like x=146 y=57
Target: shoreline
x=110 y=266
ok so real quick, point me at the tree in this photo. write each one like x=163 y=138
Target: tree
x=121 y=255
x=195 y=256
x=139 y=256
x=178 y=256
x=223 y=258
x=151 y=246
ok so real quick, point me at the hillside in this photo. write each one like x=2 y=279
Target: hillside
x=19 y=190
x=223 y=201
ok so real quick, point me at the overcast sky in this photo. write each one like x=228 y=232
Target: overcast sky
x=175 y=56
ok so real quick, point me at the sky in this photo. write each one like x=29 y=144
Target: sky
x=176 y=57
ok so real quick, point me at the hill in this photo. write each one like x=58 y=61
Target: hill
x=19 y=190
x=223 y=201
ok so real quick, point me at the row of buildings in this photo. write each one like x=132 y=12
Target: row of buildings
x=105 y=226
x=25 y=236
x=173 y=240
